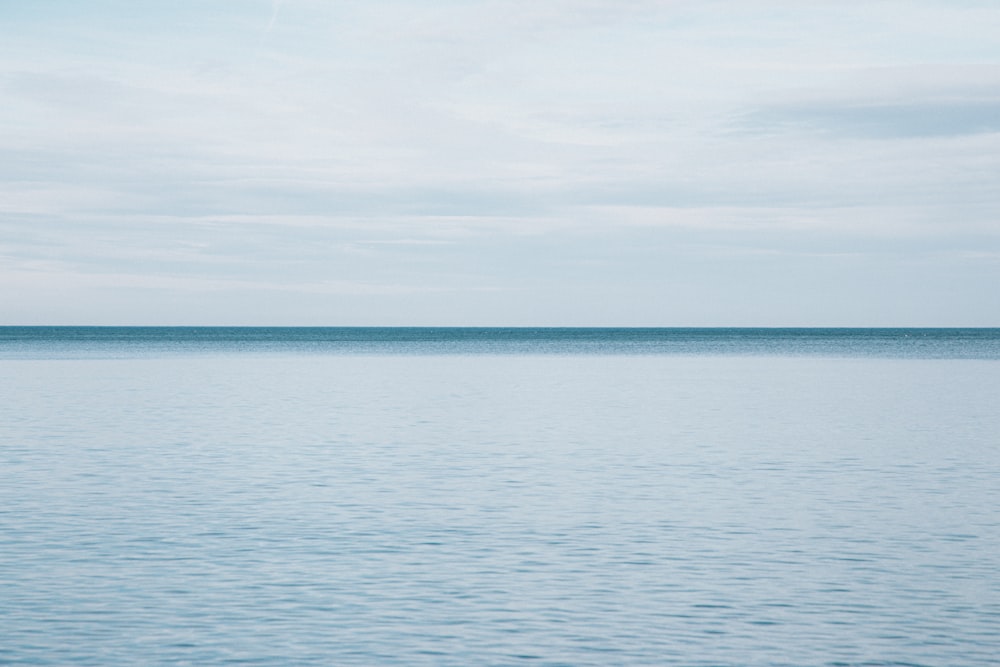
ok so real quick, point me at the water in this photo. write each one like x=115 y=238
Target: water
x=50 y=342
x=284 y=497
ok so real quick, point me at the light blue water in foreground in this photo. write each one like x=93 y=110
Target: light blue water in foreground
x=427 y=497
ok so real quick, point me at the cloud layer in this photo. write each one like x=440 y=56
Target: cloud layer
x=653 y=162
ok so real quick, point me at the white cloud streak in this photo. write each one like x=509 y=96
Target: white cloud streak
x=275 y=11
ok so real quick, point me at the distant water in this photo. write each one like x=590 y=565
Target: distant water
x=499 y=496
x=49 y=342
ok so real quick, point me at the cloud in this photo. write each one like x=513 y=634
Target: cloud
x=890 y=103
x=888 y=121
x=500 y=145
x=275 y=11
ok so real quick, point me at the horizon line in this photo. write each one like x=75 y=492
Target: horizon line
x=480 y=326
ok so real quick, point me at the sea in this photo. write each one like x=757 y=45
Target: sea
x=499 y=496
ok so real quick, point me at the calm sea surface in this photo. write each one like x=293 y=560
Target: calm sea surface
x=499 y=496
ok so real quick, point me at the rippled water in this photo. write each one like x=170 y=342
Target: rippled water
x=283 y=506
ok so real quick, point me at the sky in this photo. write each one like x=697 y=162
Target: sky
x=500 y=162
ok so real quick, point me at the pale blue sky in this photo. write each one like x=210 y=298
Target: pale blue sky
x=546 y=162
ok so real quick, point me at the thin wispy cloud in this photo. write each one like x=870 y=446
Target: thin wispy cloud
x=275 y=11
